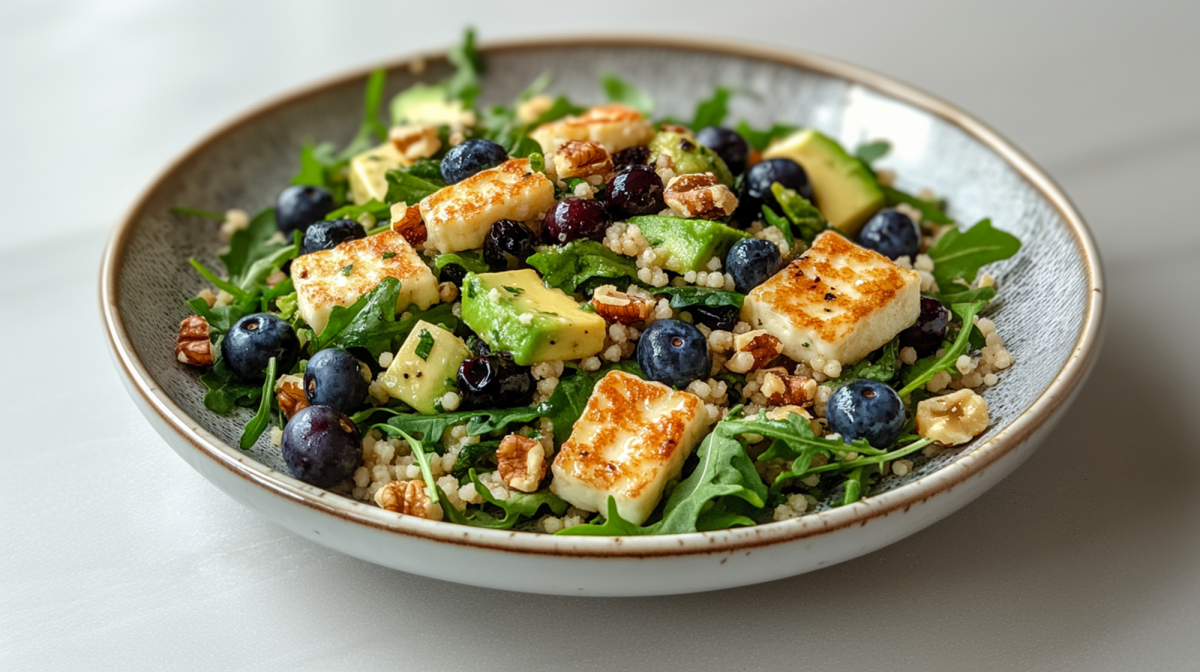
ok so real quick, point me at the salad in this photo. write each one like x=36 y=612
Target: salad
x=574 y=319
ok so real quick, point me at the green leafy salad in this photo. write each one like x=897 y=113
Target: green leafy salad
x=587 y=318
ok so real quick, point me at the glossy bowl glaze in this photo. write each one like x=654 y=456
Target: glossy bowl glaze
x=1048 y=310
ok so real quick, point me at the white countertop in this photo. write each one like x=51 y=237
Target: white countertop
x=116 y=555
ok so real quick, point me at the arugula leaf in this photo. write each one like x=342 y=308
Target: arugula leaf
x=570 y=397
x=853 y=486
x=870 y=152
x=469 y=65
x=431 y=427
x=221 y=319
x=475 y=456
x=958 y=255
x=217 y=282
x=406 y=187
x=781 y=223
x=800 y=211
x=760 y=139
x=711 y=112
x=569 y=266
x=379 y=210
x=931 y=211
x=258 y=423
x=370 y=322
x=924 y=369
x=429 y=170
x=287 y=306
x=371 y=129
x=620 y=91
x=518 y=505
x=472 y=261
x=613 y=526
x=418 y=452
x=684 y=297
x=882 y=370
x=197 y=212
x=723 y=514
x=966 y=296
x=321 y=167
x=224 y=389
x=525 y=147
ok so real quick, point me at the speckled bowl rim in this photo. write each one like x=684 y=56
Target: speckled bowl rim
x=978 y=458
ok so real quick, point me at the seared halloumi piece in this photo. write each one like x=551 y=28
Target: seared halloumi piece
x=339 y=276
x=837 y=300
x=458 y=216
x=614 y=127
x=632 y=437
x=368 y=172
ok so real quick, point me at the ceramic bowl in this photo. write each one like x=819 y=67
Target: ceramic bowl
x=1048 y=310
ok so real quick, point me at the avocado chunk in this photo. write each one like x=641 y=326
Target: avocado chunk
x=689 y=156
x=426 y=368
x=429 y=104
x=844 y=189
x=687 y=244
x=368 y=172
x=514 y=311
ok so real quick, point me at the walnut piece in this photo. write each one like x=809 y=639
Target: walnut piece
x=415 y=142
x=521 y=462
x=289 y=392
x=192 y=346
x=409 y=498
x=407 y=222
x=699 y=195
x=675 y=128
x=754 y=350
x=582 y=159
x=782 y=389
x=615 y=306
x=953 y=418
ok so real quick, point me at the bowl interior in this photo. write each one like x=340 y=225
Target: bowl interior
x=1043 y=291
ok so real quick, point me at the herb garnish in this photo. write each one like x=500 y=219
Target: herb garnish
x=569 y=266
x=424 y=345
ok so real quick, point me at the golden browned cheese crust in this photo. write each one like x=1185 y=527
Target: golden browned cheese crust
x=458 y=217
x=613 y=126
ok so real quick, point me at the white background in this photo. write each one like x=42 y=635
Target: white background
x=114 y=554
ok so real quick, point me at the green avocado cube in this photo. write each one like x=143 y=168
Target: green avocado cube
x=514 y=311
x=689 y=156
x=425 y=368
x=687 y=244
x=844 y=190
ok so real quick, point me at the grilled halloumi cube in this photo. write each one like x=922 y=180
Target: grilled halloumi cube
x=632 y=437
x=368 y=172
x=337 y=277
x=459 y=216
x=614 y=127
x=837 y=300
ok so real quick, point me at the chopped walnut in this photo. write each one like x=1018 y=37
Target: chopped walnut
x=521 y=462
x=192 y=346
x=782 y=389
x=699 y=195
x=953 y=418
x=674 y=128
x=409 y=498
x=615 y=306
x=582 y=159
x=289 y=392
x=415 y=142
x=407 y=222
x=755 y=349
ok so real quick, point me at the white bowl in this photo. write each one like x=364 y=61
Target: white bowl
x=1049 y=311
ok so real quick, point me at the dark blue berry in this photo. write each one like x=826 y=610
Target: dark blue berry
x=507 y=245
x=575 y=218
x=892 y=234
x=673 y=352
x=299 y=206
x=494 y=381
x=452 y=273
x=253 y=341
x=635 y=190
x=328 y=234
x=631 y=156
x=334 y=378
x=866 y=409
x=927 y=334
x=723 y=318
x=751 y=261
x=728 y=144
x=757 y=189
x=467 y=158
x=321 y=446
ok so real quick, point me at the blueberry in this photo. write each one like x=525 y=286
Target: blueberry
x=635 y=190
x=728 y=144
x=723 y=318
x=494 y=381
x=575 y=218
x=892 y=234
x=673 y=352
x=507 y=245
x=927 y=334
x=866 y=409
x=334 y=378
x=299 y=206
x=631 y=156
x=467 y=158
x=326 y=235
x=253 y=341
x=757 y=189
x=321 y=446
x=751 y=261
